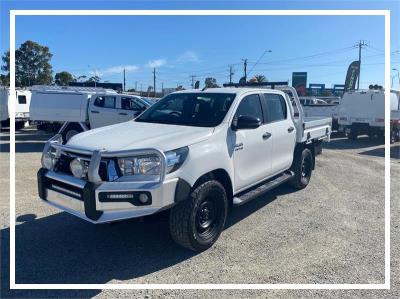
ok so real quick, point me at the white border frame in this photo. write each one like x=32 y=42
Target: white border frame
x=385 y=13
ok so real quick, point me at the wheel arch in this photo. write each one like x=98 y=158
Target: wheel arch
x=299 y=148
x=221 y=176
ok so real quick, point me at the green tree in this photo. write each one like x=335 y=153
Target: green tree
x=260 y=78
x=63 y=78
x=94 y=79
x=210 y=82
x=4 y=80
x=32 y=64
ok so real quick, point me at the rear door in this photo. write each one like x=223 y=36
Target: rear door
x=102 y=111
x=252 y=147
x=282 y=129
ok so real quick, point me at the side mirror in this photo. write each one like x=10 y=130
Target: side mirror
x=246 y=122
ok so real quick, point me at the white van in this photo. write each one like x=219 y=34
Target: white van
x=80 y=109
x=23 y=98
x=363 y=112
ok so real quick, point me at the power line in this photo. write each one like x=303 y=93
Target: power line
x=259 y=59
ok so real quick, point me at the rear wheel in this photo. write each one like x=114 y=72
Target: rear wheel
x=302 y=168
x=197 y=222
x=353 y=135
x=70 y=131
x=19 y=125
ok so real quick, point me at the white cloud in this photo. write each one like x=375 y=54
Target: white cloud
x=156 y=63
x=188 y=56
x=114 y=70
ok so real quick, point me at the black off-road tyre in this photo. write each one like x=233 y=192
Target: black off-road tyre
x=302 y=167
x=352 y=135
x=19 y=125
x=70 y=131
x=197 y=222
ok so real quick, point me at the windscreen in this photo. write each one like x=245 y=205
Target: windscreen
x=189 y=109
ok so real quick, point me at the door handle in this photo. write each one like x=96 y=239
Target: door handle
x=94 y=111
x=266 y=135
x=123 y=113
x=290 y=130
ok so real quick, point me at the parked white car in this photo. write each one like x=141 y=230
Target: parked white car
x=22 y=101
x=194 y=152
x=363 y=112
x=81 y=109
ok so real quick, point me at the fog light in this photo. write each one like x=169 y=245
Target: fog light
x=78 y=168
x=48 y=161
x=143 y=198
x=120 y=196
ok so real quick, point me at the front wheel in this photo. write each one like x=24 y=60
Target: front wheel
x=302 y=168
x=197 y=222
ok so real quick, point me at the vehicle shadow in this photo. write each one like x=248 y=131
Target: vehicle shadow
x=380 y=152
x=64 y=249
x=344 y=143
x=26 y=141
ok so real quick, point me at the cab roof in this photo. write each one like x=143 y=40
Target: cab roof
x=232 y=90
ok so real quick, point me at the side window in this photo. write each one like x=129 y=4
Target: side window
x=21 y=99
x=129 y=104
x=105 y=102
x=276 y=106
x=251 y=106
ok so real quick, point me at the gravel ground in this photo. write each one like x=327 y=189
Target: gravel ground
x=331 y=232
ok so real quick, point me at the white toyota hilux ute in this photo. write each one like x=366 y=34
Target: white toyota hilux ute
x=194 y=152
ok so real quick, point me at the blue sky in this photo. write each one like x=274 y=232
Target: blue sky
x=180 y=46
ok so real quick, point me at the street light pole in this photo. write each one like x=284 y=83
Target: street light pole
x=398 y=76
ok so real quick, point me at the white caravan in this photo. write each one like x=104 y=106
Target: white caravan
x=363 y=112
x=82 y=108
x=22 y=101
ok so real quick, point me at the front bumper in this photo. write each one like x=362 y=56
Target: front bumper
x=89 y=201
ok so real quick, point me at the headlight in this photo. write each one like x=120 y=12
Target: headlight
x=146 y=165
x=176 y=158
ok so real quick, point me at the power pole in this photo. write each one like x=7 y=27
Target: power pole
x=154 y=81
x=231 y=73
x=192 y=76
x=135 y=85
x=245 y=68
x=124 y=80
x=162 y=88
x=360 y=45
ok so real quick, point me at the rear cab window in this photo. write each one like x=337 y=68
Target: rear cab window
x=21 y=99
x=276 y=107
x=105 y=102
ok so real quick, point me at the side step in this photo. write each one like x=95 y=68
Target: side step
x=259 y=189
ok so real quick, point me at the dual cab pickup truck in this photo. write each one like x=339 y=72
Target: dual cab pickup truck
x=76 y=109
x=194 y=152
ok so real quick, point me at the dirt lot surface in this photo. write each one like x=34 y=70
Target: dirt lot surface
x=330 y=232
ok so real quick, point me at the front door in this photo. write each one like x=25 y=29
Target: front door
x=130 y=108
x=252 y=147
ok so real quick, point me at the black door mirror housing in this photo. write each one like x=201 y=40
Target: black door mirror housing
x=246 y=122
